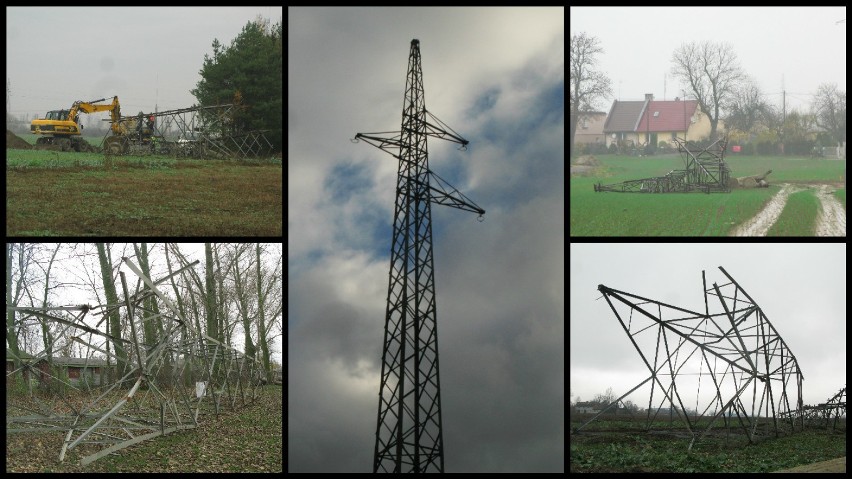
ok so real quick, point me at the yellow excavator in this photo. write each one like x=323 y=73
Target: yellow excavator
x=62 y=127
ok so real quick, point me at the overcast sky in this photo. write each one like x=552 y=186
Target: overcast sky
x=805 y=45
x=496 y=76
x=801 y=289
x=146 y=56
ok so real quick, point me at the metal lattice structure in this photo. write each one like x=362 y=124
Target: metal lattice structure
x=408 y=429
x=197 y=132
x=705 y=171
x=167 y=386
x=829 y=413
x=726 y=367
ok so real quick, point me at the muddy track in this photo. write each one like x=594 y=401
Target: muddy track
x=830 y=222
x=832 y=218
x=761 y=222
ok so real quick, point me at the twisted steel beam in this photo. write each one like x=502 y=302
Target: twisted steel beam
x=183 y=376
x=731 y=349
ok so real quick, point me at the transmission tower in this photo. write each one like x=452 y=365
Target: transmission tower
x=408 y=428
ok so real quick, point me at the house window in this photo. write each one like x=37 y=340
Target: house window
x=656 y=114
x=585 y=123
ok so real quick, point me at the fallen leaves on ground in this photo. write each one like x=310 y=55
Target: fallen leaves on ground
x=247 y=440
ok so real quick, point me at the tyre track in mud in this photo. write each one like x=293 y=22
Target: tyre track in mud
x=759 y=225
x=831 y=220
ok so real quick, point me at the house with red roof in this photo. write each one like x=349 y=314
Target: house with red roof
x=656 y=121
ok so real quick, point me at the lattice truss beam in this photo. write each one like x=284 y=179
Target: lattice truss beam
x=705 y=170
x=199 y=132
x=828 y=413
x=167 y=386
x=726 y=365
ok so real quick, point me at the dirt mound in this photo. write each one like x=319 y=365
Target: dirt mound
x=587 y=160
x=585 y=165
x=582 y=170
x=14 y=141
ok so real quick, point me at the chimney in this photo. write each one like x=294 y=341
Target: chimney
x=649 y=97
x=677 y=98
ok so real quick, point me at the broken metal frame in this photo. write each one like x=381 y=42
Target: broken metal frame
x=732 y=346
x=704 y=171
x=159 y=401
x=828 y=413
x=202 y=132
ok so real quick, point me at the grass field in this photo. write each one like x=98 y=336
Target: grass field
x=248 y=440
x=83 y=194
x=641 y=452
x=684 y=214
x=799 y=216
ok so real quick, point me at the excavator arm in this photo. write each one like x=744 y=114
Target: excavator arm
x=114 y=108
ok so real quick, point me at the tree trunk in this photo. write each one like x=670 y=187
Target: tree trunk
x=210 y=296
x=11 y=334
x=261 y=320
x=242 y=303
x=152 y=330
x=45 y=327
x=114 y=322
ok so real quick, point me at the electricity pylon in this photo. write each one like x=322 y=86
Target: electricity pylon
x=408 y=428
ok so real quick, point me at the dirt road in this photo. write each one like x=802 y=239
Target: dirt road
x=831 y=220
x=834 y=465
x=761 y=222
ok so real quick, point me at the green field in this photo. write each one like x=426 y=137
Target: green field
x=799 y=216
x=52 y=193
x=685 y=214
x=641 y=452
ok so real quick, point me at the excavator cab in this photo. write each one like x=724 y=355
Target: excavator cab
x=57 y=115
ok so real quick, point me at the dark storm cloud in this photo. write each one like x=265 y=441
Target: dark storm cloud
x=499 y=283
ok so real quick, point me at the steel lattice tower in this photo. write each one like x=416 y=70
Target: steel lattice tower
x=408 y=428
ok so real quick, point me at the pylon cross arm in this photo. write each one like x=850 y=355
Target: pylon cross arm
x=443 y=193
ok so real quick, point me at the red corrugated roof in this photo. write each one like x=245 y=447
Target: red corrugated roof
x=670 y=117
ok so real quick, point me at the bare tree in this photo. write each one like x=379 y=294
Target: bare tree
x=829 y=105
x=746 y=107
x=242 y=297
x=587 y=86
x=711 y=72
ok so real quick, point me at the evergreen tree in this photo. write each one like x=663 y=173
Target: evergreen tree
x=248 y=72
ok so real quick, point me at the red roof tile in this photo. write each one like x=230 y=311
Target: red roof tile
x=670 y=117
